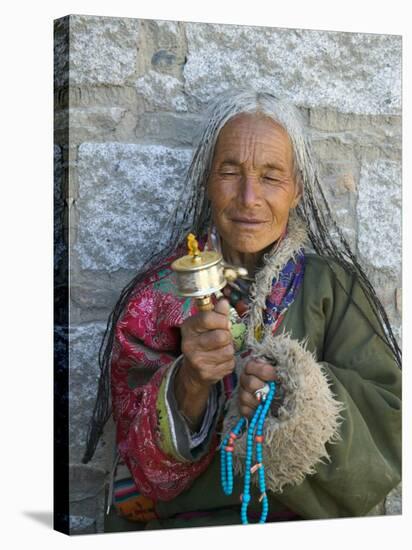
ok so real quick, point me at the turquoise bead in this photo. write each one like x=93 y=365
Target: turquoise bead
x=255 y=428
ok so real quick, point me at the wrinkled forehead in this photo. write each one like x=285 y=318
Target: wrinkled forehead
x=245 y=129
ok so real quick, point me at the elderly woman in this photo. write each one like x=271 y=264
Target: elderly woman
x=312 y=323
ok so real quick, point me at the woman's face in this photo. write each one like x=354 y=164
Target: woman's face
x=252 y=187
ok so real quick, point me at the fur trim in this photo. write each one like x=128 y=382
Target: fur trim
x=309 y=417
x=274 y=261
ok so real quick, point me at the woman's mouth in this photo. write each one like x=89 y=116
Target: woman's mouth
x=248 y=222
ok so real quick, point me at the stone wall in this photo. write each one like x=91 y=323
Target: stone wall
x=136 y=94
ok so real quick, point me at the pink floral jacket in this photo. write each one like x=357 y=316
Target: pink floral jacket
x=147 y=342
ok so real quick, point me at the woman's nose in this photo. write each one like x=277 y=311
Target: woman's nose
x=250 y=190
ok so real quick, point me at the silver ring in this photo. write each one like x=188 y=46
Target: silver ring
x=261 y=393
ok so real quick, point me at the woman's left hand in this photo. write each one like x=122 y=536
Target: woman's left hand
x=254 y=376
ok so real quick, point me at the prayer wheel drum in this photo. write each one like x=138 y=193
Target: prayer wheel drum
x=200 y=276
x=203 y=274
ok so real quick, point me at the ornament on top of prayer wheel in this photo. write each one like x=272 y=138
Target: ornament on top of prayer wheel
x=201 y=274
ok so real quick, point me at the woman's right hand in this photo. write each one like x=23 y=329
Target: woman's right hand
x=208 y=356
x=207 y=346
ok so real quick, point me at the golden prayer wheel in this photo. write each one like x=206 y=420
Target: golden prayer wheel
x=201 y=274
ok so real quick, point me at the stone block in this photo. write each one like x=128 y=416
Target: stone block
x=393 y=502
x=330 y=147
x=173 y=129
x=60 y=244
x=84 y=343
x=398 y=300
x=367 y=144
x=61 y=52
x=87 y=498
x=163 y=59
x=92 y=303
x=160 y=91
x=60 y=387
x=103 y=96
x=89 y=123
x=127 y=193
x=103 y=50
x=93 y=294
x=339 y=183
x=94 y=297
x=82 y=525
x=162 y=47
x=331 y=121
x=379 y=216
x=348 y=72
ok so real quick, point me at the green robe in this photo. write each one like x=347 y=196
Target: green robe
x=366 y=463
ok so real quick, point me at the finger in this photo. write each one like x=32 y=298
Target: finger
x=222 y=307
x=221 y=356
x=263 y=371
x=212 y=358
x=251 y=383
x=226 y=368
x=215 y=339
x=248 y=399
x=247 y=406
x=213 y=373
x=217 y=372
x=246 y=411
x=208 y=320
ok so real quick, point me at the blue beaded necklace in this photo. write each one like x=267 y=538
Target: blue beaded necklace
x=254 y=434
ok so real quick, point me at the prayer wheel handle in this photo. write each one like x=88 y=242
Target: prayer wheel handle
x=205 y=303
